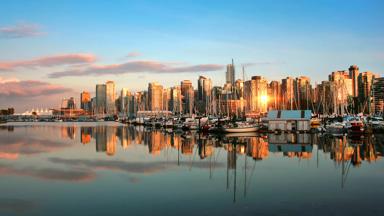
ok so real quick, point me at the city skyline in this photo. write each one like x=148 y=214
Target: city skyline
x=45 y=56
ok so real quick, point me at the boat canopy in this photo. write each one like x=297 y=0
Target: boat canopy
x=289 y=115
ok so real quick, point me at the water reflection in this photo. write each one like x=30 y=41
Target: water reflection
x=233 y=158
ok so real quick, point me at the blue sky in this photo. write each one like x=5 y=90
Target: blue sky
x=274 y=38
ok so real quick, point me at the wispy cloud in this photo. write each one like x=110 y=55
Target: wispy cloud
x=21 y=30
x=136 y=67
x=129 y=167
x=49 y=61
x=29 y=88
x=48 y=173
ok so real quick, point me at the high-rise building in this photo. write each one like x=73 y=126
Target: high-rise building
x=230 y=74
x=175 y=102
x=365 y=81
x=287 y=88
x=274 y=95
x=124 y=100
x=187 y=94
x=354 y=74
x=167 y=98
x=303 y=91
x=256 y=95
x=101 y=98
x=204 y=86
x=238 y=89
x=342 y=91
x=110 y=98
x=155 y=96
x=378 y=95
x=68 y=103
x=85 y=98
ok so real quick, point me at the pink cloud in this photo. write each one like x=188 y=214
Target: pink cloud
x=135 y=67
x=21 y=30
x=29 y=88
x=49 y=61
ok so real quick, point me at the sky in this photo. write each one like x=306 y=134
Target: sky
x=55 y=49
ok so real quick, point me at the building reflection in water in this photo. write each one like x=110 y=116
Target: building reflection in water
x=68 y=132
x=346 y=152
x=258 y=147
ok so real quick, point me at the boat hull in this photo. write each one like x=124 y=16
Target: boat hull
x=240 y=130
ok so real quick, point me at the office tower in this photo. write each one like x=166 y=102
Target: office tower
x=378 y=95
x=238 y=89
x=256 y=95
x=354 y=74
x=110 y=98
x=274 y=95
x=365 y=81
x=100 y=98
x=342 y=86
x=166 y=99
x=85 y=98
x=303 y=90
x=187 y=94
x=344 y=80
x=93 y=106
x=124 y=100
x=175 y=102
x=71 y=103
x=155 y=96
x=204 y=86
x=287 y=88
x=230 y=74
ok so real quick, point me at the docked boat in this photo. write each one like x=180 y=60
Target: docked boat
x=336 y=128
x=240 y=128
x=168 y=123
x=190 y=124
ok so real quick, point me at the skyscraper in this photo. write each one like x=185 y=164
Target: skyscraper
x=187 y=94
x=100 y=98
x=274 y=95
x=124 y=100
x=230 y=74
x=287 y=88
x=204 y=86
x=354 y=74
x=303 y=94
x=166 y=98
x=155 y=96
x=378 y=95
x=110 y=98
x=365 y=81
x=256 y=95
x=85 y=99
x=176 y=102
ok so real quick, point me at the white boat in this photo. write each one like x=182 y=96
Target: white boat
x=240 y=128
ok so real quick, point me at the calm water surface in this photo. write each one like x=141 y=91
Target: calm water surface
x=111 y=169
